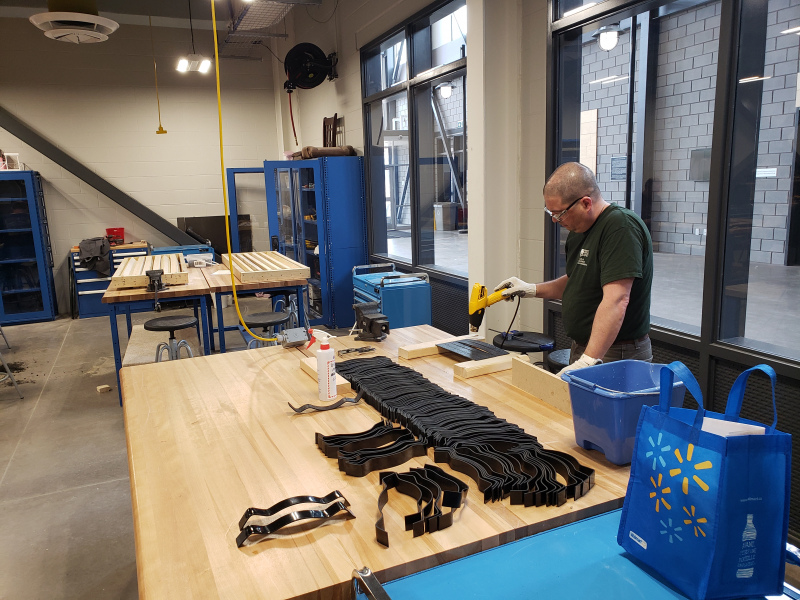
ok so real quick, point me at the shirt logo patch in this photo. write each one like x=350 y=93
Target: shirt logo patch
x=583 y=257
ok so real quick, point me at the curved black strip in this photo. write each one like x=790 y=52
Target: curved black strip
x=292 y=517
x=336 y=404
x=283 y=504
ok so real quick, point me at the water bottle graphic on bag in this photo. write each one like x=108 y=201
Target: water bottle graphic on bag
x=747 y=555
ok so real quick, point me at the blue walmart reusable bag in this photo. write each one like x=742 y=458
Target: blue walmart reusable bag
x=708 y=513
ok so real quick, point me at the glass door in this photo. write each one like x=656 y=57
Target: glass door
x=20 y=279
x=287 y=240
x=308 y=231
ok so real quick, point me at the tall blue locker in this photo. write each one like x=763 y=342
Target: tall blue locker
x=27 y=292
x=317 y=216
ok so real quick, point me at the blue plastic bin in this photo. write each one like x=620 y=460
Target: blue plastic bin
x=607 y=400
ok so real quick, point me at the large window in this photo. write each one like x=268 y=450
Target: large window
x=636 y=103
x=416 y=141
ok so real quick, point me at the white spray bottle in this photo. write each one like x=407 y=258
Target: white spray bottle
x=326 y=366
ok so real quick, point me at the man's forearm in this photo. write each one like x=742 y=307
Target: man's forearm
x=552 y=290
x=608 y=318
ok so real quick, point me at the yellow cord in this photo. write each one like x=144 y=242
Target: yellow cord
x=224 y=189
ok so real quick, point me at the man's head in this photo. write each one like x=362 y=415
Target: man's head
x=572 y=198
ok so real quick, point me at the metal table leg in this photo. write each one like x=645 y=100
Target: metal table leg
x=112 y=314
x=206 y=325
x=220 y=323
x=301 y=311
x=209 y=313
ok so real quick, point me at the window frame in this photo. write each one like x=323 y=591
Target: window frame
x=409 y=27
x=707 y=344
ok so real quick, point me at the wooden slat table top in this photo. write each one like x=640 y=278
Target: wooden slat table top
x=211 y=436
x=222 y=283
x=197 y=286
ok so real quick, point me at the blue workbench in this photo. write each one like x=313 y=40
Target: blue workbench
x=580 y=560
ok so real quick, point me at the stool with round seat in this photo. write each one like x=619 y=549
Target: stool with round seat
x=172 y=324
x=558 y=360
x=523 y=341
x=268 y=321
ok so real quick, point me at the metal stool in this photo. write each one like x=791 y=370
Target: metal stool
x=268 y=321
x=557 y=360
x=8 y=373
x=171 y=324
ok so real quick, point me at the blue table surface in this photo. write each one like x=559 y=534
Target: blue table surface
x=580 y=560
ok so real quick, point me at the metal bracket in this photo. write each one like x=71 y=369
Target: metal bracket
x=365 y=582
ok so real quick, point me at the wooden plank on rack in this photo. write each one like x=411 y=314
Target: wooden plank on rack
x=251 y=267
x=132 y=272
x=473 y=368
x=540 y=383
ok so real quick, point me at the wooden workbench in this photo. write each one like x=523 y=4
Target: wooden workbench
x=209 y=437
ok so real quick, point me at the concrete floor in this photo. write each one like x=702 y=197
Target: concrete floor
x=66 y=529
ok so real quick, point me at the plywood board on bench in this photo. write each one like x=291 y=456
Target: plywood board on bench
x=474 y=368
x=265 y=266
x=429 y=348
x=132 y=272
x=540 y=383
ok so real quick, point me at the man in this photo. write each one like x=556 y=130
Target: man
x=606 y=292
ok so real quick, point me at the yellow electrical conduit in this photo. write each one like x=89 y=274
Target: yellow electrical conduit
x=224 y=189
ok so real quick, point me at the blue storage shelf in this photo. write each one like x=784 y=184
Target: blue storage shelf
x=26 y=261
x=331 y=192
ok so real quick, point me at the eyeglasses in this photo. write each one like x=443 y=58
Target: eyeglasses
x=560 y=215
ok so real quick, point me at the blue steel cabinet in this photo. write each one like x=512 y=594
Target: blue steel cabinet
x=90 y=285
x=317 y=216
x=27 y=292
x=405 y=298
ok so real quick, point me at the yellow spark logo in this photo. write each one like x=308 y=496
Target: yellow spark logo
x=698 y=467
x=694 y=522
x=659 y=490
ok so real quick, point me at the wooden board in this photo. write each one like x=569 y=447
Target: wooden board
x=540 y=383
x=429 y=348
x=474 y=368
x=132 y=271
x=309 y=366
x=209 y=437
x=196 y=286
x=129 y=246
x=219 y=280
x=265 y=266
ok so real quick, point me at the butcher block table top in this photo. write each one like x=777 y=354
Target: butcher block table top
x=197 y=286
x=209 y=437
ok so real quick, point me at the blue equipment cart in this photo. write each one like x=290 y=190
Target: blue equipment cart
x=405 y=298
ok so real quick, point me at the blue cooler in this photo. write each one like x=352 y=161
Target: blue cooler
x=405 y=298
x=607 y=400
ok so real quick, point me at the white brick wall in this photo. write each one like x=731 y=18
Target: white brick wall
x=97 y=103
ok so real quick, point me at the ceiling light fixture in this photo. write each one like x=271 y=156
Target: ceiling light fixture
x=193 y=62
x=792 y=30
x=445 y=89
x=607 y=36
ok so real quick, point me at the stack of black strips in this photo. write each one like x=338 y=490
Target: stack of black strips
x=380 y=447
x=503 y=459
x=432 y=488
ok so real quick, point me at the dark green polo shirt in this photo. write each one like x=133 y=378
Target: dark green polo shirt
x=617 y=246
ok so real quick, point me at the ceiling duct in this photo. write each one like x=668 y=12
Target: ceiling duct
x=255 y=22
x=74 y=21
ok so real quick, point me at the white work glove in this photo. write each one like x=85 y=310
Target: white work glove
x=584 y=361
x=516 y=287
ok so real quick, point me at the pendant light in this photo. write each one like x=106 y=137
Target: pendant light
x=193 y=62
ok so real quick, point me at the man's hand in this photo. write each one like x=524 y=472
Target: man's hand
x=516 y=287
x=583 y=361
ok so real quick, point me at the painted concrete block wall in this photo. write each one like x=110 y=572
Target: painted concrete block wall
x=97 y=103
